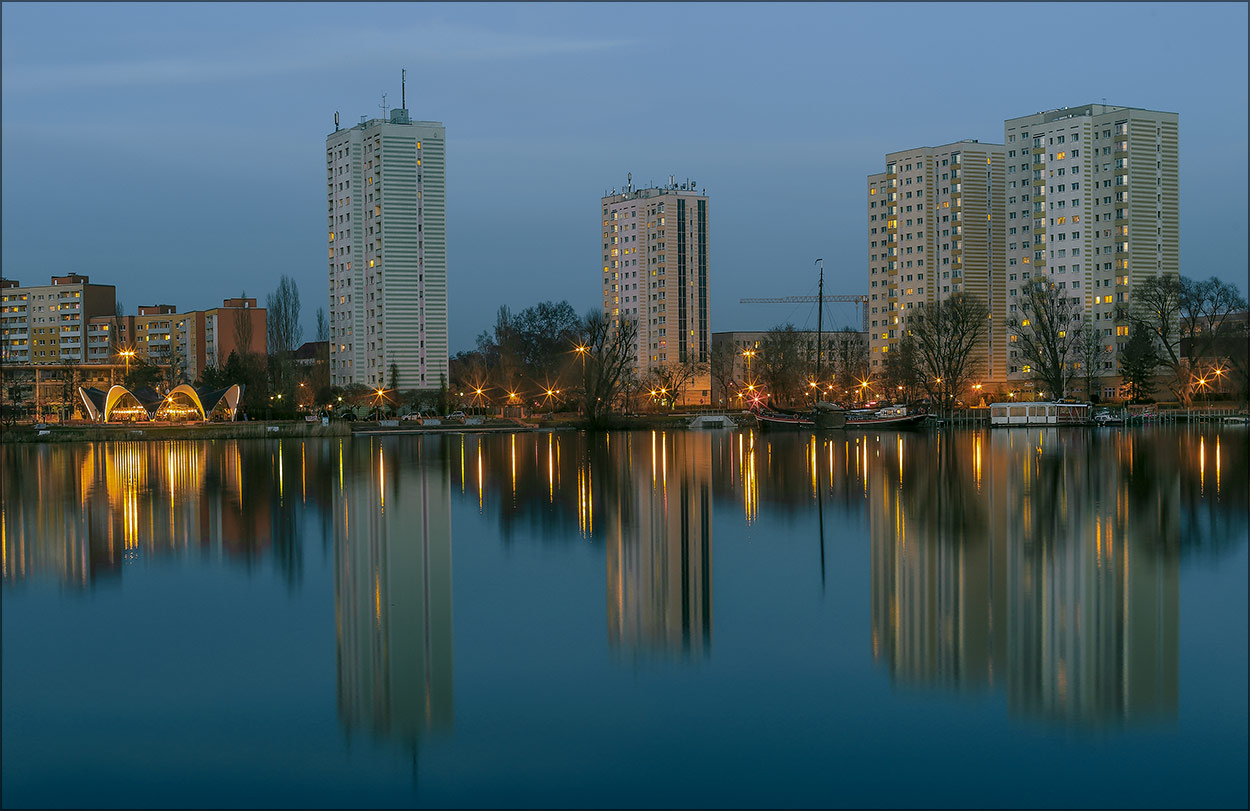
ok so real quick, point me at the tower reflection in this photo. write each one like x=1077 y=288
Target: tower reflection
x=658 y=539
x=1032 y=558
x=392 y=589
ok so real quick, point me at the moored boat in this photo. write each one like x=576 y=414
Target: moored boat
x=889 y=417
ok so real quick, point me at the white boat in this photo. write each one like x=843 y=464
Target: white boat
x=1041 y=413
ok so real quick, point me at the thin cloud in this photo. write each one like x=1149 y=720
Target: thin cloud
x=427 y=44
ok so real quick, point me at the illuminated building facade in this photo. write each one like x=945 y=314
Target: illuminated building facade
x=655 y=271
x=50 y=323
x=386 y=227
x=1093 y=199
x=932 y=233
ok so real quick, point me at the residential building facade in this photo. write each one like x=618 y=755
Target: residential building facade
x=42 y=324
x=932 y=234
x=655 y=271
x=1093 y=203
x=387 y=235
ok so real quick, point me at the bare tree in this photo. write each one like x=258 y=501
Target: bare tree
x=850 y=352
x=901 y=373
x=283 y=313
x=1048 y=334
x=671 y=379
x=1090 y=353
x=1210 y=337
x=782 y=362
x=609 y=357
x=323 y=326
x=285 y=332
x=1156 y=306
x=946 y=333
x=721 y=366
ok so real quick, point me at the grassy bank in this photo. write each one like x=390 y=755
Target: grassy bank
x=139 y=432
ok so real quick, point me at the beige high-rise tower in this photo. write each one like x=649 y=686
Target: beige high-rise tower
x=655 y=270
x=931 y=234
x=1092 y=204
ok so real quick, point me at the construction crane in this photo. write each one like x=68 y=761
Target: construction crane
x=861 y=302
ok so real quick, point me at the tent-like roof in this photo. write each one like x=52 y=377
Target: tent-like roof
x=99 y=404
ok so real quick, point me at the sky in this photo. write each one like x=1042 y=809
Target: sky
x=177 y=150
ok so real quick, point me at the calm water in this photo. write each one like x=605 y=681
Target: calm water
x=1053 y=617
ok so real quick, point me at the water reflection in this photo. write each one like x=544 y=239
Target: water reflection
x=1056 y=577
x=392 y=589
x=658 y=538
x=80 y=512
x=1042 y=563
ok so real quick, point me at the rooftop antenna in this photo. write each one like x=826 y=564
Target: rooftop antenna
x=336 y=120
x=629 y=178
x=403 y=89
x=383 y=105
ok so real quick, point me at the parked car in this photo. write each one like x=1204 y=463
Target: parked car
x=415 y=416
x=456 y=416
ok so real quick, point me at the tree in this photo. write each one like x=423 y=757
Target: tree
x=783 y=365
x=1156 y=308
x=850 y=354
x=143 y=373
x=1138 y=360
x=946 y=335
x=285 y=332
x=609 y=357
x=1048 y=334
x=672 y=378
x=721 y=366
x=1091 y=353
x=323 y=327
x=71 y=376
x=901 y=373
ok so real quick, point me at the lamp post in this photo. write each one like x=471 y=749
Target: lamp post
x=127 y=354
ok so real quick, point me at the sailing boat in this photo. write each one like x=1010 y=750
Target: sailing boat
x=823 y=414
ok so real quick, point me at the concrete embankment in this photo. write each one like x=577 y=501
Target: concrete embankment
x=55 y=432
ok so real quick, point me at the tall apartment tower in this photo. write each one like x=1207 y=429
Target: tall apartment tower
x=387 y=233
x=932 y=233
x=1093 y=205
x=655 y=270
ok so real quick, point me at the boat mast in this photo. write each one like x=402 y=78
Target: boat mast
x=820 y=309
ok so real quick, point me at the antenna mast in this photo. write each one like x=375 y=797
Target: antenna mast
x=403 y=91
x=383 y=106
x=820 y=311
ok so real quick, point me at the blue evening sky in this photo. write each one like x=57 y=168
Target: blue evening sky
x=177 y=150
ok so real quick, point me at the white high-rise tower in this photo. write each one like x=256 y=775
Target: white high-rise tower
x=387 y=234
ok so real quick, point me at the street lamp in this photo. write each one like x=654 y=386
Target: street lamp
x=127 y=354
x=748 y=354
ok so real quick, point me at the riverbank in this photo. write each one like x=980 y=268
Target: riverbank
x=130 y=433
x=86 y=432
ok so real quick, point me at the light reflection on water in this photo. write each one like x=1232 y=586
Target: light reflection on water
x=1040 y=565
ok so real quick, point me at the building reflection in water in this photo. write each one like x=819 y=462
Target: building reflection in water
x=78 y=513
x=658 y=539
x=1039 y=560
x=647 y=498
x=392 y=588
